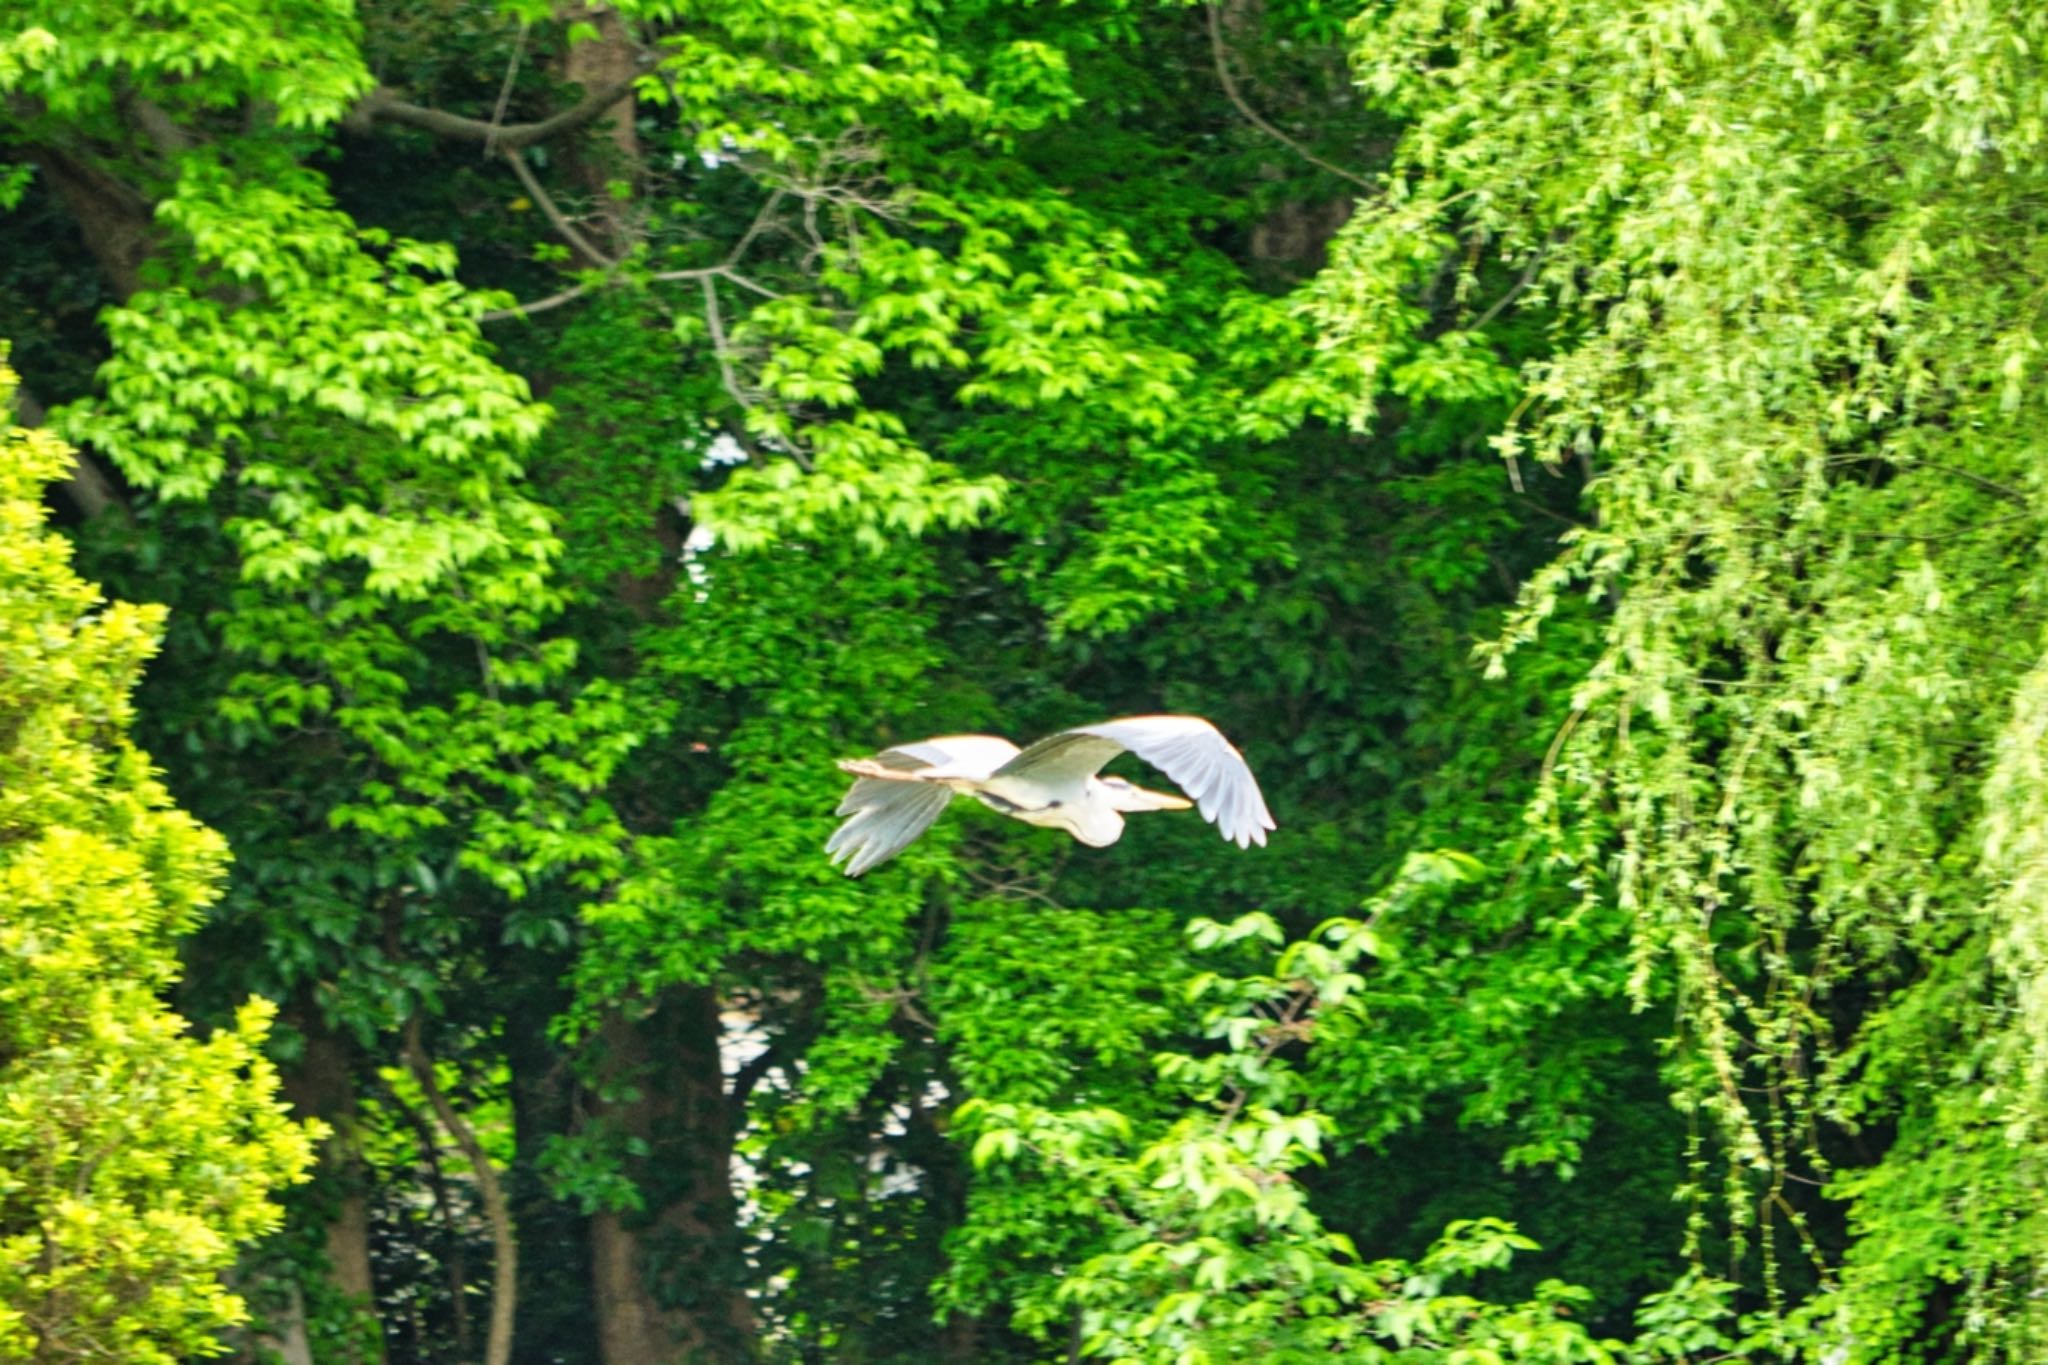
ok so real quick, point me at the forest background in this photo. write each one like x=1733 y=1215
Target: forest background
x=1585 y=453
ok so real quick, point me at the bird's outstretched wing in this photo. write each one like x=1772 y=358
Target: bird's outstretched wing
x=887 y=816
x=1187 y=749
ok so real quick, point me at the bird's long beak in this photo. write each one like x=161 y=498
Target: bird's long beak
x=1138 y=798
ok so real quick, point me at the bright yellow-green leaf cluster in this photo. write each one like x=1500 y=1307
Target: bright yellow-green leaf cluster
x=134 y=1159
x=299 y=57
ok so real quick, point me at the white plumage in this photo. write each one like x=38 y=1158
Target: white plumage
x=899 y=792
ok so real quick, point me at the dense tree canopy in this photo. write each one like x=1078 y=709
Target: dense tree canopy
x=1585 y=456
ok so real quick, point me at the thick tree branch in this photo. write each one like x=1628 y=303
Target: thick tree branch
x=158 y=126
x=384 y=105
x=505 y=1273
x=113 y=216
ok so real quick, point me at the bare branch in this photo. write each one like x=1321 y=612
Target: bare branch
x=570 y=295
x=761 y=220
x=554 y=214
x=715 y=320
x=716 y=272
x=505 y=1273
x=1252 y=115
x=2005 y=491
x=520 y=310
x=505 y=90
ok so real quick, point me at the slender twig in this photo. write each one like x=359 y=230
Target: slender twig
x=1514 y=292
x=576 y=239
x=1008 y=887
x=817 y=239
x=520 y=310
x=505 y=91
x=1988 y=485
x=1540 y=510
x=1559 y=740
x=1933 y=537
x=901 y=999
x=575 y=292
x=1283 y=1032
x=761 y=217
x=716 y=272
x=1252 y=115
x=489 y=674
x=714 y=318
x=1514 y=464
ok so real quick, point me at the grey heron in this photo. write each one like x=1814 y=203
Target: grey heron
x=899 y=792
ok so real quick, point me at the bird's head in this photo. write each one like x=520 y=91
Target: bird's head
x=1128 y=796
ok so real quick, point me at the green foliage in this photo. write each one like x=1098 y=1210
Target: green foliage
x=76 y=63
x=1206 y=1246
x=1103 y=989
x=916 y=369
x=134 y=1158
x=1793 y=354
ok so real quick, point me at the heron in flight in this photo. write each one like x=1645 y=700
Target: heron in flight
x=899 y=792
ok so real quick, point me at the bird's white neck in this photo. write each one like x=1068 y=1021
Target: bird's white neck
x=1092 y=817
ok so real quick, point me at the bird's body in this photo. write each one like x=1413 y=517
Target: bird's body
x=1053 y=783
x=974 y=765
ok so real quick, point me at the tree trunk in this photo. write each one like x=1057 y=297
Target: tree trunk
x=115 y=220
x=321 y=1086
x=287 y=1334
x=667 y=1281
x=599 y=64
x=555 y=1321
